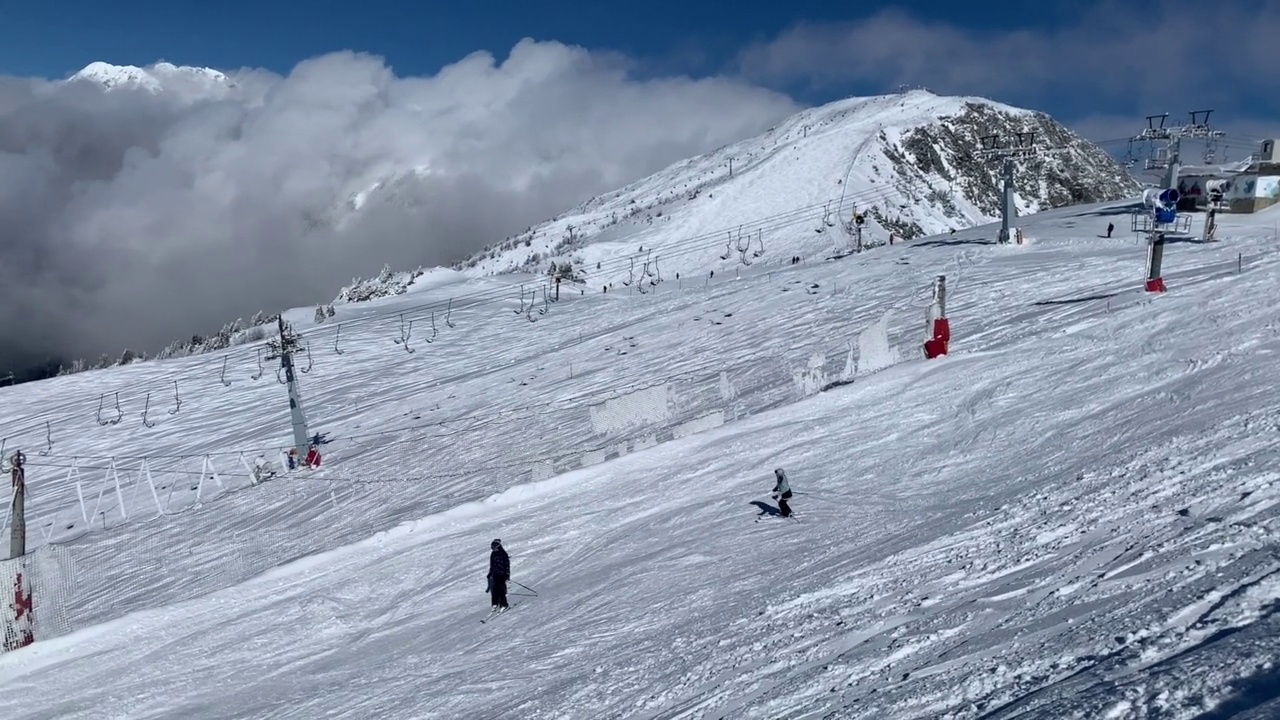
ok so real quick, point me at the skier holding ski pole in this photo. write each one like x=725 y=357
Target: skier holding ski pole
x=499 y=572
x=782 y=492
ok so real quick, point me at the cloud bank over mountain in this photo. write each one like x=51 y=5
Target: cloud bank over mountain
x=141 y=205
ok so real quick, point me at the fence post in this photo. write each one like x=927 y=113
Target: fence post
x=18 y=528
x=937 y=327
x=1155 y=256
x=19 y=625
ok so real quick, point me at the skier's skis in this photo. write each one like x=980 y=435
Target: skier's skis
x=493 y=614
x=792 y=516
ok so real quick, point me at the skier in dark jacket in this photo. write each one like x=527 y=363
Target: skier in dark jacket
x=782 y=492
x=499 y=572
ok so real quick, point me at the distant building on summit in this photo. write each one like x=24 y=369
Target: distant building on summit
x=1245 y=188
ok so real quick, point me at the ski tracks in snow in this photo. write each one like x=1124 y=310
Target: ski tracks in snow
x=1041 y=604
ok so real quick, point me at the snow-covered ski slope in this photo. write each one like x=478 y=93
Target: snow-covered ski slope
x=1074 y=515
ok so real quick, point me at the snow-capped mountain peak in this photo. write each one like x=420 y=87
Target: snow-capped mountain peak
x=110 y=76
x=155 y=78
x=383 y=188
x=908 y=164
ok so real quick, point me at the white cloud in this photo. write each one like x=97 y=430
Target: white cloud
x=133 y=218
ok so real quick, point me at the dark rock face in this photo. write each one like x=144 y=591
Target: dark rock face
x=1073 y=171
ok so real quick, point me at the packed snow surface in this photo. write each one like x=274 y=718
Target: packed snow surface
x=1073 y=515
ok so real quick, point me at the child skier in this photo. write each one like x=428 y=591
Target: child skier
x=499 y=571
x=782 y=492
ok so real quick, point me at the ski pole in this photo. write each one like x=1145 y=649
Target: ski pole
x=526 y=587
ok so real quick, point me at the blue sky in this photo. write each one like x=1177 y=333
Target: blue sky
x=1099 y=66
x=59 y=37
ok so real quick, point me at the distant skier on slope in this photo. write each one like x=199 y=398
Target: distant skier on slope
x=499 y=572
x=1110 y=228
x=782 y=492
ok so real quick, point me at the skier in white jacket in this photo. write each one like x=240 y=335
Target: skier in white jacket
x=782 y=492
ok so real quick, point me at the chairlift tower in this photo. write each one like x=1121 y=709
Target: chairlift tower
x=284 y=348
x=1009 y=148
x=1157 y=131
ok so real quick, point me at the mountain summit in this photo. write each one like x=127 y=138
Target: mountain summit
x=154 y=78
x=909 y=163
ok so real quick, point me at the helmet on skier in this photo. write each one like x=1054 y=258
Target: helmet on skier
x=495 y=544
x=780 y=472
